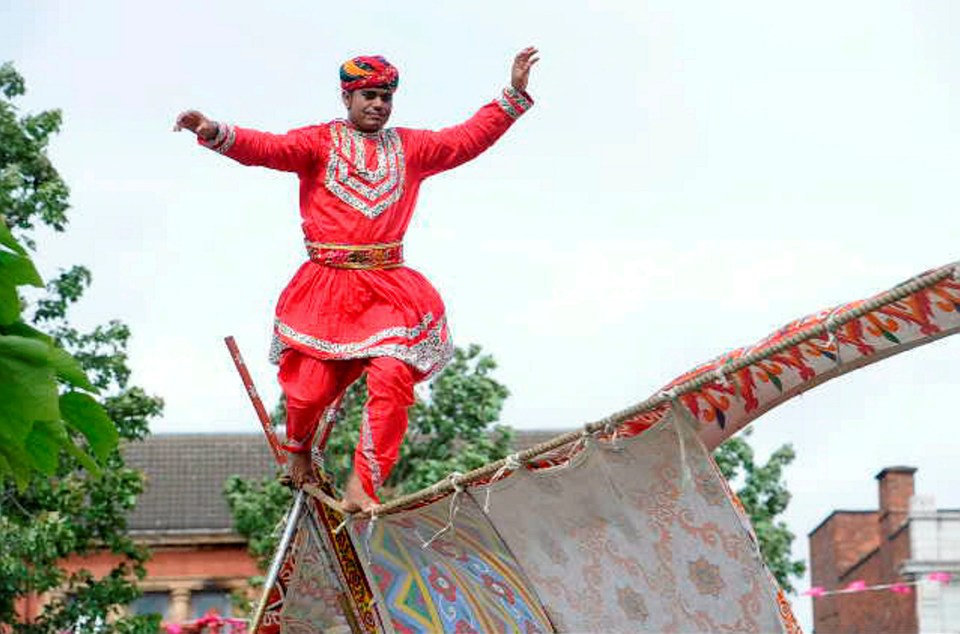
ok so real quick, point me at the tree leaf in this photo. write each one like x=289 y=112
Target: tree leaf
x=87 y=416
x=69 y=369
x=44 y=443
x=83 y=458
x=28 y=390
x=7 y=239
x=22 y=329
x=9 y=303
x=14 y=455
x=19 y=269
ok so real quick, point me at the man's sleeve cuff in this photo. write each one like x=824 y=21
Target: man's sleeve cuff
x=515 y=102
x=223 y=141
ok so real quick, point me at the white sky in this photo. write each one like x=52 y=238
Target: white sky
x=693 y=176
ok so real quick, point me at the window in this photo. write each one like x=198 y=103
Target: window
x=203 y=601
x=152 y=603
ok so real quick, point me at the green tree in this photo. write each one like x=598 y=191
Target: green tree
x=59 y=509
x=765 y=497
x=37 y=422
x=453 y=429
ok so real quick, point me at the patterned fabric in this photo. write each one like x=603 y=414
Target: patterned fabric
x=348 y=256
x=635 y=531
x=465 y=580
x=725 y=407
x=314 y=600
x=637 y=536
x=371 y=71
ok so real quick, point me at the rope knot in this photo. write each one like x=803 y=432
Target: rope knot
x=720 y=376
x=510 y=463
x=455 y=477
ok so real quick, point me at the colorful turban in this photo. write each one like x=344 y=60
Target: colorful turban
x=368 y=72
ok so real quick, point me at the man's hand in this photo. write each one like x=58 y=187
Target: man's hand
x=522 y=64
x=197 y=123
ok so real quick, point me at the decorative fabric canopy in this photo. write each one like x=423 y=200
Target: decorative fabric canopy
x=625 y=526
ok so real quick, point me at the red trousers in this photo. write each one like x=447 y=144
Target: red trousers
x=312 y=385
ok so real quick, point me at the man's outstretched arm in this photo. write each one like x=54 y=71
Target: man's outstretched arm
x=290 y=152
x=434 y=152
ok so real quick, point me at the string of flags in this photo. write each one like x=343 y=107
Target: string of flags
x=900 y=587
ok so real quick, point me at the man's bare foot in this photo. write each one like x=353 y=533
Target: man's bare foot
x=300 y=469
x=355 y=498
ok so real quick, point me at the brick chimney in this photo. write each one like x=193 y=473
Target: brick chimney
x=896 y=489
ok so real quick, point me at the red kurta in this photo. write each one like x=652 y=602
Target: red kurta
x=359 y=189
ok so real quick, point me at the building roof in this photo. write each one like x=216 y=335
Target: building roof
x=186 y=474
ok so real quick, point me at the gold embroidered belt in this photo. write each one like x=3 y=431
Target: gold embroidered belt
x=357 y=256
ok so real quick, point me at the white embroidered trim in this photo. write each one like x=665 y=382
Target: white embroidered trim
x=513 y=102
x=224 y=140
x=371 y=192
x=428 y=355
x=369 y=450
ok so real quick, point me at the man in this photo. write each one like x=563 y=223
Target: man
x=353 y=307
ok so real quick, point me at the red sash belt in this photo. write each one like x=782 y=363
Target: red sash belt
x=357 y=256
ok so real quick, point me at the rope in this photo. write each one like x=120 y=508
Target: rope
x=614 y=432
x=832 y=325
x=454 y=479
x=820 y=331
x=368 y=537
x=511 y=463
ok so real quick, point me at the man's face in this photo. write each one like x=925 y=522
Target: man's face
x=369 y=108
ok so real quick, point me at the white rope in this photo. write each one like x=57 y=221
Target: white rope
x=669 y=395
x=832 y=341
x=454 y=507
x=577 y=444
x=368 y=537
x=511 y=463
x=346 y=520
x=612 y=429
x=720 y=376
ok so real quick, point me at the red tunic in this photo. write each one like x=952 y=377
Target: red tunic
x=358 y=189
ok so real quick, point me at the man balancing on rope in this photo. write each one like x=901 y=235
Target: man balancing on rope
x=353 y=307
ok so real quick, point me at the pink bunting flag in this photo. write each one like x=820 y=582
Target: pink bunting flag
x=815 y=591
x=900 y=588
x=857 y=586
x=942 y=577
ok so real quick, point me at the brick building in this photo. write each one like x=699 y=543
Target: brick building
x=198 y=559
x=904 y=539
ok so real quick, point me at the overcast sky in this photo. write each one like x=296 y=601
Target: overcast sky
x=693 y=176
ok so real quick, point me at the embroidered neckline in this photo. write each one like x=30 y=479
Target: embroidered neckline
x=369 y=191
